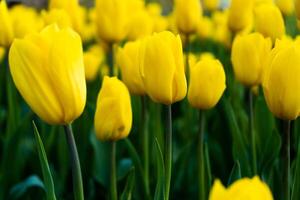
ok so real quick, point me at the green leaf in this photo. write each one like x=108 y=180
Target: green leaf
x=124 y=167
x=21 y=188
x=207 y=167
x=160 y=185
x=50 y=191
x=296 y=182
x=235 y=173
x=127 y=193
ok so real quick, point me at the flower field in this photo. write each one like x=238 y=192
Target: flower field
x=160 y=99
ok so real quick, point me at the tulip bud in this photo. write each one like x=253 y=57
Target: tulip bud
x=187 y=14
x=240 y=14
x=281 y=81
x=113 y=117
x=211 y=5
x=160 y=23
x=93 y=58
x=112 y=19
x=2 y=53
x=58 y=16
x=47 y=69
x=162 y=68
x=248 y=56
x=141 y=24
x=244 y=188
x=285 y=6
x=207 y=83
x=269 y=21
x=128 y=59
x=6 y=28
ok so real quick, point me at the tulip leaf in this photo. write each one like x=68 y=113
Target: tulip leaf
x=296 y=182
x=207 y=167
x=49 y=185
x=235 y=173
x=127 y=193
x=21 y=188
x=124 y=167
x=160 y=187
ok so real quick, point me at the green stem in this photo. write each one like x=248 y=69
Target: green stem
x=110 y=59
x=168 y=152
x=252 y=133
x=200 y=156
x=113 y=174
x=287 y=160
x=76 y=171
x=145 y=140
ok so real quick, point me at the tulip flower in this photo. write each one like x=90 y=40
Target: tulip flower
x=128 y=59
x=240 y=14
x=93 y=58
x=140 y=25
x=6 y=28
x=2 y=53
x=281 y=80
x=162 y=67
x=205 y=28
x=160 y=23
x=297 y=9
x=268 y=21
x=47 y=69
x=58 y=16
x=187 y=15
x=113 y=117
x=245 y=188
x=211 y=5
x=207 y=83
x=285 y=6
x=248 y=56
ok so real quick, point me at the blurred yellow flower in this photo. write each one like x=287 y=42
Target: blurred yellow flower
x=243 y=189
x=128 y=60
x=93 y=59
x=187 y=15
x=205 y=28
x=248 y=55
x=221 y=31
x=281 y=81
x=140 y=25
x=240 y=14
x=160 y=23
x=285 y=6
x=297 y=8
x=113 y=117
x=6 y=28
x=2 y=53
x=207 y=82
x=58 y=16
x=268 y=21
x=47 y=69
x=211 y=5
x=162 y=67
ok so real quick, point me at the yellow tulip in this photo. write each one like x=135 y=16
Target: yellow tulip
x=128 y=60
x=205 y=28
x=248 y=55
x=58 y=16
x=140 y=25
x=47 y=69
x=6 y=28
x=245 y=188
x=285 y=6
x=221 y=31
x=93 y=59
x=113 y=117
x=207 y=83
x=240 y=14
x=281 y=80
x=112 y=19
x=187 y=15
x=297 y=9
x=211 y=5
x=269 y=21
x=2 y=53
x=162 y=67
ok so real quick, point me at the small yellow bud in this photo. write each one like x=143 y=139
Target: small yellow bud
x=93 y=59
x=6 y=28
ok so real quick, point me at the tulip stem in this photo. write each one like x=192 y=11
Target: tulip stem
x=110 y=59
x=113 y=174
x=252 y=132
x=287 y=159
x=201 y=166
x=76 y=171
x=145 y=141
x=168 y=152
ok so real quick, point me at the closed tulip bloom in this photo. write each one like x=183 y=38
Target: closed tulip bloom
x=140 y=25
x=47 y=69
x=2 y=53
x=240 y=14
x=248 y=55
x=6 y=28
x=58 y=16
x=93 y=59
x=268 y=21
x=285 y=6
x=281 y=81
x=162 y=67
x=245 y=188
x=187 y=15
x=211 y=5
x=112 y=19
x=113 y=117
x=207 y=83
x=128 y=60
x=297 y=9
